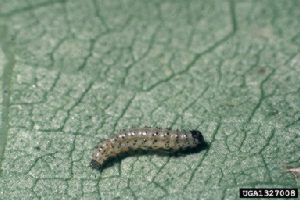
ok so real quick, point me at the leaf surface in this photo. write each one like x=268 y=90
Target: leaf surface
x=75 y=72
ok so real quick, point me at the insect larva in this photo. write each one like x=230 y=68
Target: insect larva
x=294 y=171
x=145 y=139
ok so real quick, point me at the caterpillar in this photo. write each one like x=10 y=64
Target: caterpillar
x=295 y=171
x=153 y=139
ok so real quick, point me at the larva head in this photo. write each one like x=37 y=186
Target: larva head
x=198 y=138
x=95 y=165
x=97 y=159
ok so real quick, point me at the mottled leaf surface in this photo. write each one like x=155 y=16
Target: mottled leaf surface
x=75 y=71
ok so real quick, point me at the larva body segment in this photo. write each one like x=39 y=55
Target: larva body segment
x=295 y=171
x=144 y=139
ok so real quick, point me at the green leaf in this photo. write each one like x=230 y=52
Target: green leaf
x=74 y=72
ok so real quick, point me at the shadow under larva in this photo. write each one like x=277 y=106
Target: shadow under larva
x=146 y=141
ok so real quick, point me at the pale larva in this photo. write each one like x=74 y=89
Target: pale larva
x=145 y=139
x=295 y=171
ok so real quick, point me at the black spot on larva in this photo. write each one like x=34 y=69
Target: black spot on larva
x=133 y=142
x=167 y=145
x=177 y=138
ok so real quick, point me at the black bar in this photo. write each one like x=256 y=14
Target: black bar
x=268 y=193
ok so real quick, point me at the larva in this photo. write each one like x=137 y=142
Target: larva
x=144 y=139
x=294 y=171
